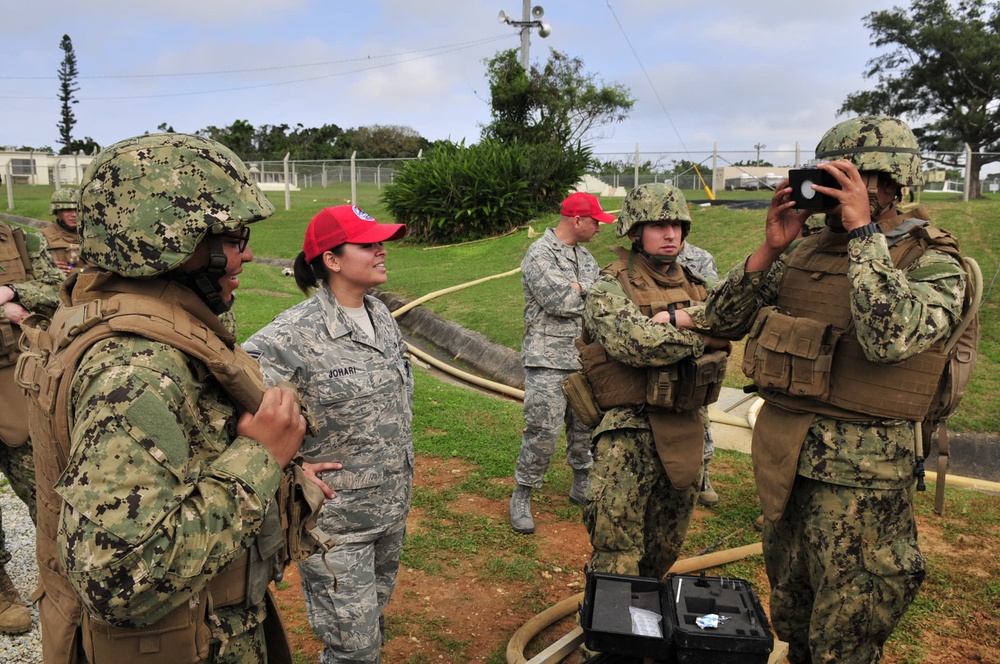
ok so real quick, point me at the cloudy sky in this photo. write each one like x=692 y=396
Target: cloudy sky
x=735 y=74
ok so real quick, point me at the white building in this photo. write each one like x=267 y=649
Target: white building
x=43 y=167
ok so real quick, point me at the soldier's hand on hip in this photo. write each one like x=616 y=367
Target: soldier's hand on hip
x=311 y=470
x=278 y=424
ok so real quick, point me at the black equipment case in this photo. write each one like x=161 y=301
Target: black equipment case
x=743 y=634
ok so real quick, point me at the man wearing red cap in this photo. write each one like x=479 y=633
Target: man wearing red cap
x=556 y=274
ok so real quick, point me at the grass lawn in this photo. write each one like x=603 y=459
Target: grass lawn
x=955 y=609
x=494 y=308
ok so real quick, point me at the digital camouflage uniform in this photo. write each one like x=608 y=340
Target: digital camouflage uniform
x=361 y=393
x=39 y=294
x=702 y=264
x=64 y=242
x=159 y=494
x=145 y=542
x=842 y=559
x=552 y=323
x=699 y=261
x=637 y=515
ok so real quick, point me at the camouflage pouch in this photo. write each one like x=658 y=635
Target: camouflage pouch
x=789 y=354
x=700 y=380
x=302 y=501
x=8 y=342
x=662 y=387
x=576 y=389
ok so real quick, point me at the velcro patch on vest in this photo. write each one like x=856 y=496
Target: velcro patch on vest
x=149 y=415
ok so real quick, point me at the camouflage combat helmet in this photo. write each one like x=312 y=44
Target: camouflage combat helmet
x=147 y=202
x=653 y=202
x=66 y=198
x=875 y=143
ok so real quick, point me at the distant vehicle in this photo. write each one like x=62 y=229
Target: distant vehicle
x=748 y=182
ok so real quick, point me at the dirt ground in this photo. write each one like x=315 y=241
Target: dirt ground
x=471 y=621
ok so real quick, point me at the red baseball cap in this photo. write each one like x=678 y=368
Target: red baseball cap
x=334 y=226
x=582 y=204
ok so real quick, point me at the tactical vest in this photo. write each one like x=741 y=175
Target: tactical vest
x=104 y=305
x=671 y=397
x=15 y=268
x=804 y=354
x=64 y=245
x=615 y=383
x=15 y=265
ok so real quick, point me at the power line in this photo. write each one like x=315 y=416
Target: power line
x=440 y=50
x=648 y=79
x=450 y=47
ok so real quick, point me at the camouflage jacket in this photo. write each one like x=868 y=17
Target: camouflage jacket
x=160 y=493
x=700 y=262
x=64 y=244
x=40 y=294
x=631 y=337
x=897 y=314
x=552 y=309
x=361 y=393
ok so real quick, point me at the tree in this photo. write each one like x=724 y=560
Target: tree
x=87 y=146
x=384 y=141
x=557 y=102
x=67 y=86
x=551 y=111
x=945 y=65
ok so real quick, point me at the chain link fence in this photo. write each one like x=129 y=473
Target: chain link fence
x=717 y=170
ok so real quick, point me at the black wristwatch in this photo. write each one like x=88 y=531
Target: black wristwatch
x=673 y=317
x=864 y=231
x=13 y=297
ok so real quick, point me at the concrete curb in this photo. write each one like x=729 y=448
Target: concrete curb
x=493 y=361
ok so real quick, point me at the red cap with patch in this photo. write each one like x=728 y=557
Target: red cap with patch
x=334 y=226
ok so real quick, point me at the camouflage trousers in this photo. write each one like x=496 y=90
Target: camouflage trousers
x=709 y=452
x=18 y=465
x=346 y=596
x=844 y=565
x=244 y=648
x=545 y=414
x=636 y=519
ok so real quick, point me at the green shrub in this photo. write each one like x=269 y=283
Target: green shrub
x=460 y=193
x=551 y=170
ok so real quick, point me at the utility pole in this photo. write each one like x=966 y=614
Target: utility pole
x=758 y=147
x=530 y=18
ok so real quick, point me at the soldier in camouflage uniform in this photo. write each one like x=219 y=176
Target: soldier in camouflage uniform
x=862 y=308
x=156 y=469
x=64 y=243
x=30 y=284
x=344 y=352
x=556 y=274
x=641 y=323
x=702 y=265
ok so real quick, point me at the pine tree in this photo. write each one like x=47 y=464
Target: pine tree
x=67 y=86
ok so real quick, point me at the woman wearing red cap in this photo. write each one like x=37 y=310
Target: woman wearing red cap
x=344 y=352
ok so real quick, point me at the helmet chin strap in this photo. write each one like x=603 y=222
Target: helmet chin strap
x=874 y=207
x=204 y=281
